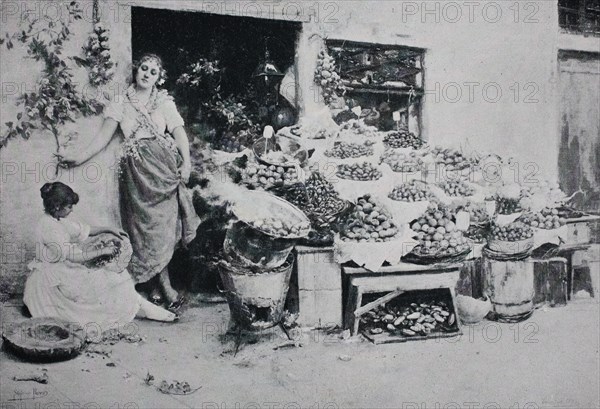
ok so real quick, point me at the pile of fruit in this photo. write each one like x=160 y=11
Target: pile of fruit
x=369 y=222
x=546 y=219
x=359 y=171
x=456 y=187
x=402 y=139
x=355 y=127
x=452 y=159
x=327 y=77
x=233 y=143
x=316 y=195
x=399 y=162
x=437 y=233
x=263 y=176
x=507 y=205
x=418 y=319
x=280 y=228
x=344 y=150
x=413 y=191
x=515 y=231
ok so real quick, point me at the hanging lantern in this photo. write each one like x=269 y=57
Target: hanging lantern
x=267 y=76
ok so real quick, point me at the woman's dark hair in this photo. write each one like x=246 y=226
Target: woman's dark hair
x=162 y=76
x=56 y=196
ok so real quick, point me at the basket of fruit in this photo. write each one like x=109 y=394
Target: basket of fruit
x=272 y=215
x=512 y=239
x=116 y=262
x=547 y=219
x=280 y=151
x=451 y=159
x=402 y=139
x=413 y=191
x=261 y=176
x=346 y=150
x=359 y=172
x=439 y=239
x=368 y=222
x=401 y=162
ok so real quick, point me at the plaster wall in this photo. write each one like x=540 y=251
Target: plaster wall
x=490 y=80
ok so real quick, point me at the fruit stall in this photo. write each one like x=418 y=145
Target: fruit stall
x=350 y=219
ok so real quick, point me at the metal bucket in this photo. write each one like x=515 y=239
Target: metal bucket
x=510 y=285
x=255 y=249
x=256 y=301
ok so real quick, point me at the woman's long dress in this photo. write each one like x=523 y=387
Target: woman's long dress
x=156 y=207
x=61 y=288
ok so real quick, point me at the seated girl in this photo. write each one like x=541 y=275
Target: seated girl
x=66 y=283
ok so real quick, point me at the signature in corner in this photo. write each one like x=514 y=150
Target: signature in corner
x=560 y=403
x=19 y=394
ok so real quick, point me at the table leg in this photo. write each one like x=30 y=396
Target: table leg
x=353 y=302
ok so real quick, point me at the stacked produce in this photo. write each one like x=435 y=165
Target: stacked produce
x=369 y=222
x=400 y=162
x=456 y=187
x=280 y=228
x=548 y=219
x=355 y=127
x=452 y=159
x=358 y=171
x=263 y=176
x=413 y=191
x=233 y=143
x=316 y=195
x=327 y=77
x=437 y=233
x=344 y=150
x=402 y=139
x=506 y=205
x=508 y=199
x=515 y=231
x=418 y=319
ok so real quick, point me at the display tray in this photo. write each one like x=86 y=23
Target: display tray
x=426 y=303
x=505 y=257
x=415 y=258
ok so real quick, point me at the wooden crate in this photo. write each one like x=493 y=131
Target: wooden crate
x=399 y=278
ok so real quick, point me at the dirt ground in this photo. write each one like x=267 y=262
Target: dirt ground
x=548 y=361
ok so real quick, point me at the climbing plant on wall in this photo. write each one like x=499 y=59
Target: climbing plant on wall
x=56 y=99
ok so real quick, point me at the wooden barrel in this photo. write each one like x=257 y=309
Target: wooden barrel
x=510 y=285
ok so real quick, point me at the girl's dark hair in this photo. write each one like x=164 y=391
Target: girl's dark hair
x=162 y=76
x=56 y=196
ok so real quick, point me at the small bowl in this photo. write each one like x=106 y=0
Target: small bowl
x=472 y=310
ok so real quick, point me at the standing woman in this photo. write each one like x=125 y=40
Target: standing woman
x=156 y=208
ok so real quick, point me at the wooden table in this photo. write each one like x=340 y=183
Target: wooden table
x=566 y=251
x=393 y=280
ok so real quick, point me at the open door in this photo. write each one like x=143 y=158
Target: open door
x=579 y=153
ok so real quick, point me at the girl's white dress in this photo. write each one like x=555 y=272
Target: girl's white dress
x=60 y=288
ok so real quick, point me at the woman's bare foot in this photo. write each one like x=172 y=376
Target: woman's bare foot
x=153 y=312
